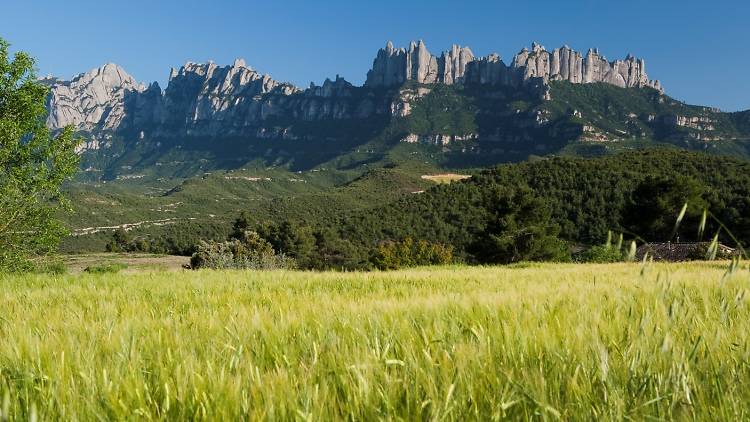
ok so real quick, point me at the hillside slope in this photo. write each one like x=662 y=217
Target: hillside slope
x=586 y=198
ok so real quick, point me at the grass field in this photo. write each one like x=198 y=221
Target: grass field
x=668 y=341
x=445 y=178
x=130 y=262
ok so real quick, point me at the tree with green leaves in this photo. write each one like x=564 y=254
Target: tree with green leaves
x=291 y=238
x=657 y=203
x=33 y=166
x=519 y=230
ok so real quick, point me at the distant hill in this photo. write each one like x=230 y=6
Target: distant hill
x=586 y=198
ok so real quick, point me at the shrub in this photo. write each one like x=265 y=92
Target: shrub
x=105 y=268
x=601 y=254
x=249 y=251
x=408 y=253
x=51 y=265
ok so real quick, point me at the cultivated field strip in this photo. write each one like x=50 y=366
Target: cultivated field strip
x=571 y=342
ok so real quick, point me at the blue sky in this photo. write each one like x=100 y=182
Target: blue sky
x=698 y=49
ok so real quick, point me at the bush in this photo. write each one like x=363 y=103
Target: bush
x=292 y=239
x=249 y=251
x=51 y=265
x=407 y=253
x=105 y=268
x=601 y=254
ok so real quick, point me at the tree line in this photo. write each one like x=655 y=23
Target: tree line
x=555 y=209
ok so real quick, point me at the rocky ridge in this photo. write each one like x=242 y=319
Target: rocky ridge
x=204 y=99
x=393 y=67
x=95 y=98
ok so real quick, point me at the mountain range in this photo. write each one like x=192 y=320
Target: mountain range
x=477 y=110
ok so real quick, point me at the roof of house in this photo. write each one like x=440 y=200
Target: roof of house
x=679 y=251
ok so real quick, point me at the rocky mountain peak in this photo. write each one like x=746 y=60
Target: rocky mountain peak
x=393 y=67
x=94 y=99
x=207 y=99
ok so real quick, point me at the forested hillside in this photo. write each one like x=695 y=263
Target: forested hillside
x=585 y=198
x=574 y=200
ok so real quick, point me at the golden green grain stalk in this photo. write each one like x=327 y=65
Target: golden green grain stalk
x=532 y=341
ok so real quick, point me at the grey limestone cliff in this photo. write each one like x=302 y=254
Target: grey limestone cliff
x=393 y=67
x=205 y=99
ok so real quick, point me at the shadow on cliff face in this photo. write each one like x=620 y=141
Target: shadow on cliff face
x=158 y=129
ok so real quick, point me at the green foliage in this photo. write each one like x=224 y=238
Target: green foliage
x=105 y=268
x=247 y=251
x=535 y=342
x=444 y=111
x=528 y=211
x=519 y=229
x=121 y=242
x=656 y=204
x=33 y=165
x=310 y=248
x=332 y=251
x=408 y=253
x=523 y=206
x=295 y=240
x=601 y=254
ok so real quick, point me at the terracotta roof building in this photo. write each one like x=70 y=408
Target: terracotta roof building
x=681 y=251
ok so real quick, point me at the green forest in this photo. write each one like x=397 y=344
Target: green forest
x=547 y=210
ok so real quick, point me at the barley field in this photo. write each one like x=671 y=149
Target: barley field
x=548 y=341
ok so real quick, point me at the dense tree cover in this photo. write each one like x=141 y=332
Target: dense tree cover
x=539 y=210
x=508 y=225
x=33 y=165
x=311 y=247
x=535 y=211
x=519 y=229
x=177 y=239
x=639 y=193
x=651 y=209
x=590 y=197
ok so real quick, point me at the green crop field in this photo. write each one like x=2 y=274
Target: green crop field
x=547 y=341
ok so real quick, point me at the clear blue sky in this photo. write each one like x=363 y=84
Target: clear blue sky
x=698 y=49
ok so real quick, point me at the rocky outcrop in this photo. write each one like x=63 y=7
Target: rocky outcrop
x=438 y=139
x=201 y=99
x=93 y=100
x=568 y=65
x=695 y=122
x=401 y=106
x=205 y=99
x=452 y=64
x=393 y=67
